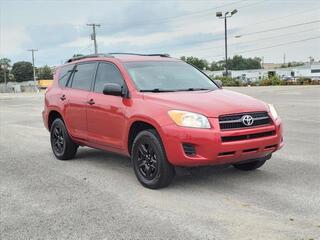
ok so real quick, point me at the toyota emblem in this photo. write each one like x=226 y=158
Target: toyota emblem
x=247 y=120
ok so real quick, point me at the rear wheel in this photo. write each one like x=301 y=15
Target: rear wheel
x=150 y=162
x=62 y=145
x=250 y=165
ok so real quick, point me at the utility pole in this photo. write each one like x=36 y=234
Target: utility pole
x=34 y=68
x=225 y=16
x=5 y=74
x=284 y=59
x=4 y=67
x=94 y=36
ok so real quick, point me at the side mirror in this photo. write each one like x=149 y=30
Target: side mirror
x=112 y=89
x=218 y=83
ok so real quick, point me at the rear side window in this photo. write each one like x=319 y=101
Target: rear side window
x=64 y=74
x=83 y=76
x=107 y=73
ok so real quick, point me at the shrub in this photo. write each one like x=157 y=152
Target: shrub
x=304 y=81
x=274 y=81
x=229 y=82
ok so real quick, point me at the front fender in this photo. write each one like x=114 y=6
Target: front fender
x=146 y=119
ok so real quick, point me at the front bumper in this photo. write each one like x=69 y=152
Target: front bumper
x=212 y=150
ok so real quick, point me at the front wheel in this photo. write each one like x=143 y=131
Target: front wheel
x=150 y=162
x=62 y=145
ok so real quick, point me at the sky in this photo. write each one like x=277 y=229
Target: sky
x=268 y=29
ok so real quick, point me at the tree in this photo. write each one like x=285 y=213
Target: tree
x=235 y=63
x=240 y=63
x=44 y=72
x=22 y=71
x=4 y=68
x=292 y=64
x=199 y=63
x=216 y=66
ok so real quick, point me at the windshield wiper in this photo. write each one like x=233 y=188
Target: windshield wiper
x=156 y=90
x=175 y=90
x=194 y=89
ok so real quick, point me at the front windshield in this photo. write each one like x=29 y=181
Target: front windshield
x=168 y=76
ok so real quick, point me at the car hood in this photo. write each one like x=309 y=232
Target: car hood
x=209 y=103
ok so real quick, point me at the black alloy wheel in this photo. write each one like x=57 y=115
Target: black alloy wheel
x=58 y=140
x=62 y=145
x=149 y=160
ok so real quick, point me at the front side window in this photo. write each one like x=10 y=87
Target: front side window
x=64 y=74
x=107 y=73
x=83 y=76
x=168 y=76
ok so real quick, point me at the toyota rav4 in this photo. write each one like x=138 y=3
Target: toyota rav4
x=160 y=111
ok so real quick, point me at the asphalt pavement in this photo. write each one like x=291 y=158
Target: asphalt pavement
x=96 y=195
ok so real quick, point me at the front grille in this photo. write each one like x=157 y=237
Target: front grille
x=235 y=121
x=247 y=136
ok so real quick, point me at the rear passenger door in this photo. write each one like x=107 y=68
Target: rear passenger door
x=106 y=114
x=76 y=95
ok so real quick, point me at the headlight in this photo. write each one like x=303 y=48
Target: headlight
x=189 y=119
x=273 y=111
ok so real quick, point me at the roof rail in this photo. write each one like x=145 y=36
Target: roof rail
x=88 y=56
x=141 y=54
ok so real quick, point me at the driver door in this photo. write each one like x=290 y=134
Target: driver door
x=106 y=113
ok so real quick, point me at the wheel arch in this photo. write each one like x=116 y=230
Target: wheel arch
x=53 y=115
x=137 y=126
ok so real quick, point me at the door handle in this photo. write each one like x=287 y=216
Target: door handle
x=63 y=97
x=91 y=102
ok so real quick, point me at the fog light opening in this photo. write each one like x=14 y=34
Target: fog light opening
x=189 y=149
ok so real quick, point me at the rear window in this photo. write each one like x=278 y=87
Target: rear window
x=64 y=74
x=83 y=76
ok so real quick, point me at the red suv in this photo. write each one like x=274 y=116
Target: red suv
x=160 y=111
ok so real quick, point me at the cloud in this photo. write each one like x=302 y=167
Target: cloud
x=138 y=18
x=177 y=27
x=46 y=36
x=13 y=40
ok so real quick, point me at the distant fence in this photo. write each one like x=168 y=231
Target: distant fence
x=14 y=87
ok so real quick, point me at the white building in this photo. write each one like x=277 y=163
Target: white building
x=308 y=70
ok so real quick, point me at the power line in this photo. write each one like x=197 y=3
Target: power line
x=188 y=43
x=163 y=20
x=281 y=44
x=278 y=28
x=252 y=33
x=259 y=39
x=176 y=18
x=252 y=4
x=166 y=19
x=204 y=15
x=285 y=16
x=272 y=46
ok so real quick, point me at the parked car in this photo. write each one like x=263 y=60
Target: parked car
x=160 y=111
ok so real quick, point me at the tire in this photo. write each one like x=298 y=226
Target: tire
x=62 y=145
x=250 y=165
x=150 y=163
